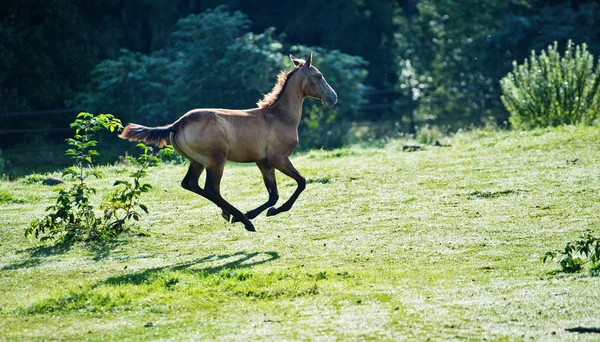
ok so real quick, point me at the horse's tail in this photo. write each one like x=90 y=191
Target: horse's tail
x=149 y=135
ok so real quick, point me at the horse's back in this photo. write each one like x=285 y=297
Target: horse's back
x=235 y=134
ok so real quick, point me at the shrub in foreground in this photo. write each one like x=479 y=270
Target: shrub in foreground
x=72 y=218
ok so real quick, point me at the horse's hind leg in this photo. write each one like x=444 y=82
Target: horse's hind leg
x=190 y=181
x=212 y=192
x=285 y=165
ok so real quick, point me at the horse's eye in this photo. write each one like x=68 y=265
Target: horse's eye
x=319 y=76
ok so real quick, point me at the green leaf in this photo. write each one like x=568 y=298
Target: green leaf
x=143 y=147
x=548 y=256
x=90 y=143
x=122 y=182
x=70 y=171
x=71 y=152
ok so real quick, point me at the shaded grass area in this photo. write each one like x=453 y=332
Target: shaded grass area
x=443 y=243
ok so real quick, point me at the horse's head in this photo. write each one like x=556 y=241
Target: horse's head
x=313 y=83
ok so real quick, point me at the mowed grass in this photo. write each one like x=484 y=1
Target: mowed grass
x=443 y=243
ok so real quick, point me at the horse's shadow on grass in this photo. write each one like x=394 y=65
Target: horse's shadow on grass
x=239 y=260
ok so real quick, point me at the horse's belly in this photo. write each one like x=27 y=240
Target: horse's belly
x=241 y=153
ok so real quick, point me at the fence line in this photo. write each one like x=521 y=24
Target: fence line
x=408 y=104
x=35 y=130
x=40 y=112
x=52 y=112
x=36 y=149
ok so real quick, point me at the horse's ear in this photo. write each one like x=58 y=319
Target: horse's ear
x=296 y=61
x=308 y=60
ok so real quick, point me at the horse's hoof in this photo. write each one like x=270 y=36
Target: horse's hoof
x=233 y=219
x=226 y=216
x=272 y=211
x=250 y=215
x=249 y=227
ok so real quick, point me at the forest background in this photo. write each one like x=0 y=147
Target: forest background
x=398 y=66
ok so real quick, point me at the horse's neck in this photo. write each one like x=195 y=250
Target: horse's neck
x=289 y=106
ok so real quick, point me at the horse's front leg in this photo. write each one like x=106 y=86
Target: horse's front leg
x=285 y=166
x=268 y=173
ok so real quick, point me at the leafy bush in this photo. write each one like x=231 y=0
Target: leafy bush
x=586 y=249
x=550 y=90
x=121 y=205
x=132 y=85
x=73 y=218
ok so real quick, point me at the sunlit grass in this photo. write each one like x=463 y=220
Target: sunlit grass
x=441 y=243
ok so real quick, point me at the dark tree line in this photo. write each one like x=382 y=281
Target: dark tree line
x=425 y=61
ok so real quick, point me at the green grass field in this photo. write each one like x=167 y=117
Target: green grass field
x=443 y=243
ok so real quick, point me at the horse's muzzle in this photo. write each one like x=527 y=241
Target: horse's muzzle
x=331 y=100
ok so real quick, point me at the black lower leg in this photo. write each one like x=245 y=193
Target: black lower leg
x=229 y=209
x=273 y=197
x=268 y=173
x=190 y=181
x=227 y=216
x=212 y=192
x=288 y=169
x=290 y=202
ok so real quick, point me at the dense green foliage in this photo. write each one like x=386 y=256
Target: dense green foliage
x=550 y=90
x=443 y=243
x=404 y=62
x=72 y=218
x=211 y=61
x=2 y=163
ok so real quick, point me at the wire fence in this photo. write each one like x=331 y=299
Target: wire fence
x=34 y=130
x=63 y=112
x=5 y=132
x=39 y=112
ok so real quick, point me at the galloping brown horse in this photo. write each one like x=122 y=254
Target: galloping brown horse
x=266 y=135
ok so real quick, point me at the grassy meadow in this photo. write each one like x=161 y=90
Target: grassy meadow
x=442 y=243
